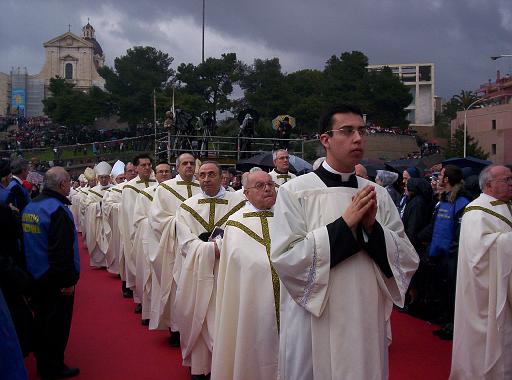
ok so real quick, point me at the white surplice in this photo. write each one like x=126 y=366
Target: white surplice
x=94 y=226
x=334 y=321
x=140 y=249
x=246 y=340
x=482 y=339
x=195 y=294
x=75 y=206
x=165 y=265
x=111 y=241
x=280 y=178
x=129 y=196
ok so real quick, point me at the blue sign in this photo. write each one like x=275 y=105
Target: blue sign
x=18 y=99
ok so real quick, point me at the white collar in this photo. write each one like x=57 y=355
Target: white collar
x=344 y=176
x=251 y=207
x=220 y=194
x=18 y=179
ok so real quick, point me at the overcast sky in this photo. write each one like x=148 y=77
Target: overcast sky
x=458 y=36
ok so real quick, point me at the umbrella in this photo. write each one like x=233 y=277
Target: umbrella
x=399 y=166
x=476 y=164
x=372 y=165
x=264 y=160
x=280 y=118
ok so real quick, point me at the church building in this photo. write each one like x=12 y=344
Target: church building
x=67 y=56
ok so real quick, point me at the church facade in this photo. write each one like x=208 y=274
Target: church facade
x=67 y=56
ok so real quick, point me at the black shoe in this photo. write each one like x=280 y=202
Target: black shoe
x=127 y=293
x=138 y=309
x=145 y=322
x=174 y=339
x=200 y=377
x=64 y=373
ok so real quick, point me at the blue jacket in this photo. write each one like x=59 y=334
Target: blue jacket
x=18 y=195
x=51 y=242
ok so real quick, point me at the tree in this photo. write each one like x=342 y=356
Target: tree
x=387 y=98
x=456 y=147
x=459 y=103
x=134 y=78
x=208 y=85
x=265 y=88
x=67 y=106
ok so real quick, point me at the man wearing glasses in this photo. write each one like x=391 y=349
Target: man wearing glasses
x=248 y=290
x=482 y=337
x=340 y=250
x=196 y=219
x=280 y=174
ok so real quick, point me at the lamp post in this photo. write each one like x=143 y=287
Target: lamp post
x=203 y=37
x=495 y=57
x=466 y=116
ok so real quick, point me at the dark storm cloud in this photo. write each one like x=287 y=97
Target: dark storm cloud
x=458 y=36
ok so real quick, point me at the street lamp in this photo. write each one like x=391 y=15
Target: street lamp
x=203 y=35
x=466 y=116
x=495 y=57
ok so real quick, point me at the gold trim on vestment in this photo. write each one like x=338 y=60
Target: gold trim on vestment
x=150 y=197
x=265 y=241
x=210 y=225
x=173 y=192
x=490 y=212
x=146 y=183
x=131 y=187
x=189 y=186
x=114 y=189
x=95 y=193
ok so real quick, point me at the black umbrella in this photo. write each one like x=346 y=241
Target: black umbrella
x=264 y=161
x=372 y=165
x=476 y=164
x=399 y=166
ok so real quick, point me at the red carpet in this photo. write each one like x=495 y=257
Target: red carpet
x=108 y=342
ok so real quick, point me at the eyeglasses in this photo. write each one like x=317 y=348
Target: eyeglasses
x=262 y=185
x=208 y=175
x=349 y=131
x=507 y=180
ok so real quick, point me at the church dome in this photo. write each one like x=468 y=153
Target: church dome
x=88 y=32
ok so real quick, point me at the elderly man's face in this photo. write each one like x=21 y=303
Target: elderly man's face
x=500 y=186
x=163 y=172
x=104 y=180
x=282 y=163
x=209 y=179
x=187 y=167
x=344 y=143
x=120 y=178
x=261 y=190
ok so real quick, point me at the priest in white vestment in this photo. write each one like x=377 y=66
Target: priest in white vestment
x=110 y=242
x=165 y=265
x=482 y=339
x=341 y=253
x=197 y=218
x=75 y=200
x=281 y=174
x=90 y=175
x=93 y=211
x=140 y=239
x=131 y=189
x=246 y=339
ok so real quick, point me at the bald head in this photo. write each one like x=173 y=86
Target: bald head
x=361 y=171
x=57 y=179
x=186 y=166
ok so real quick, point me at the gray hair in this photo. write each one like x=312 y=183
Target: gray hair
x=54 y=177
x=244 y=179
x=18 y=165
x=255 y=169
x=486 y=176
x=178 y=159
x=275 y=152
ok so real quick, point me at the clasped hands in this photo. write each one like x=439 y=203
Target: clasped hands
x=362 y=210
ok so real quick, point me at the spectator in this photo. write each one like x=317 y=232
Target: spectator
x=387 y=180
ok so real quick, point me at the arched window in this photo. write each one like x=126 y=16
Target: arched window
x=69 y=71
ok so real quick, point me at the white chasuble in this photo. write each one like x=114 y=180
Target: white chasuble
x=111 y=238
x=482 y=339
x=246 y=340
x=75 y=206
x=81 y=198
x=281 y=178
x=165 y=264
x=129 y=196
x=94 y=226
x=333 y=320
x=195 y=294
x=140 y=249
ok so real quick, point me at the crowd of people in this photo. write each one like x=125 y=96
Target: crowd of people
x=262 y=275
